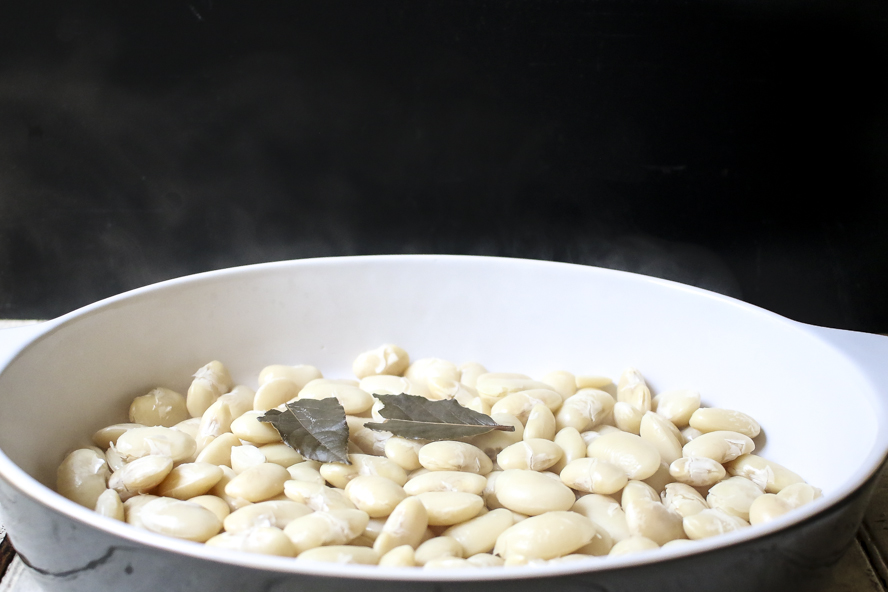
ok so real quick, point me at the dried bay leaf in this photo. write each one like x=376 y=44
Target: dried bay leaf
x=419 y=418
x=315 y=428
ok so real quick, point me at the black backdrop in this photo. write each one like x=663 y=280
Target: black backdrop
x=741 y=146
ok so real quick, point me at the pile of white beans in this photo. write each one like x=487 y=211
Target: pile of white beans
x=593 y=468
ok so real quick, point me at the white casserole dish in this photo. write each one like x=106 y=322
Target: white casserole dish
x=818 y=393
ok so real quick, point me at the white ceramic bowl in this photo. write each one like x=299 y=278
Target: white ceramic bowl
x=818 y=393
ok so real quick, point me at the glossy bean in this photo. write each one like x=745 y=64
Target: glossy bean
x=301 y=374
x=767 y=474
x=450 y=455
x=210 y=382
x=258 y=483
x=445 y=508
x=636 y=456
x=336 y=527
x=584 y=410
x=109 y=504
x=535 y=454
x=405 y=525
x=721 y=446
x=190 y=480
x=341 y=554
x=734 y=496
x=82 y=477
x=271 y=513
x=714 y=419
x=478 y=535
x=531 y=492
x=180 y=519
x=159 y=407
x=275 y=392
x=446 y=481
x=606 y=513
x=540 y=424
x=265 y=540
x=139 y=442
x=697 y=471
x=593 y=475
x=677 y=406
x=546 y=536
x=375 y=495
x=712 y=522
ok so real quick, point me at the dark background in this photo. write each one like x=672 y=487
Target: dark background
x=741 y=146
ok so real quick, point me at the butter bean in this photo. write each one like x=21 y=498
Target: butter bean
x=379 y=465
x=665 y=437
x=82 y=476
x=245 y=456
x=478 y=535
x=341 y=554
x=572 y=446
x=160 y=441
x=677 y=406
x=190 y=480
x=606 y=513
x=494 y=386
x=132 y=508
x=584 y=410
x=107 y=436
x=720 y=446
x=280 y=454
x=406 y=525
x=531 y=492
x=404 y=452
x=564 y=383
x=214 y=504
x=660 y=479
x=734 y=496
x=309 y=471
x=485 y=560
x=633 y=389
x=160 y=407
x=141 y=475
x=652 y=520
x=239 y=400
x=600 y=545
x=637 y=490
x=636 y=456
x=445 y=508
x=402 y=556
x=191 y=427
x=109 y=504
x=265 y=540
x=593 y=475
x=371 y=441
x=114 y=460
x=436 y=548
x=271 y=513
x=337 y=474
x=767 y=474
x=627 y=417
x=180 y=519
x=546 y=536
x=210 y=382
x=767 y=507
x=690 y=433
x=317 y=497
x=446 y=481
x=492 y=443
x=215 y=421
x=711 y=522
x=234 y=503
x=601 y=383
x=519 y=404
x=713 y=420
x=248 y=427
x=469 y=373
x=697 y=471
x=633 y=544
x=540 y=424
x=301 y=374
x=392 y=385
x=273 y=393
x=799 y=494
x=450 y=455
x=258 y=483
x=427 y=369
x=385 y=359
x=448 y=563
x=683 y=499
x=375 y=495
x=534 y=454
x=353 y=399
x=335 y=527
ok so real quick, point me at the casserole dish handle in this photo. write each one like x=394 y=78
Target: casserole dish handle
x=868 y=350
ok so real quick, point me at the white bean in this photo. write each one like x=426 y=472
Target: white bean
x=248 y=427
x=712 y=420
x=534 y=454
x=265 y=540
x=406 y=525
x=341 y=554
x=697 y=471
x=160 y=441
x=404 y=452
x=677 y=406
x=584 y=410
x=402 y=556
x=109 y=504
x=336 y=527
x=245 y=456
x=317 y=497
x=272 y=513
x=352 y=398
x=711 y=522
x=445 y=508
x=683 y=499
x=82 y=477
x=493 y=442
x=385 y=359
x=449 y=455
x=210 y=382
x=594 y=475
x=606 y=513
x=180 y=519
x=540 y=424
x=531 y=492
x=545 y=536
x=721 y=446
x=107 y=436
x=767 y=507
x=478 y=535
x=636 y=456
x=734 y=496
x=799 y=494
x=665 y=437
x=258 y=483
x=435 y=548
x=214 y=504
x=375 y=495
x=564 y=383
x=653 y=520
x=446 y=481
x=300 y=374
x=519 y=404
x=141 y=475
x=469 y=373
x=494 y=386
x=190 y=480
x=634 y=544
x=633 y=389
x=273 y=393
x=160 y=407
x=767 y=474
